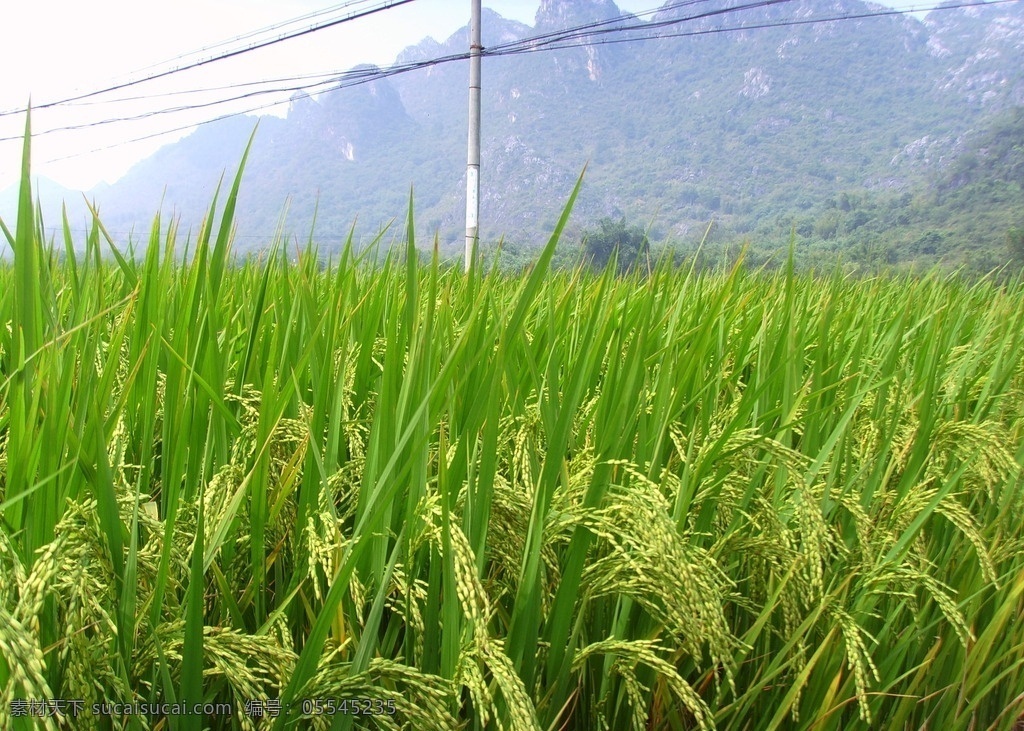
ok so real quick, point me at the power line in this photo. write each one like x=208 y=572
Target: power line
x=549 y=37
x=355 y=77
x=567 y=38
x=380 y=74
x=319 y=75
x=607 y=21
x=359 y=75
x=527 y=45
x=255 y=33
x=593 y=30
x=384 y=5
x=325 y=75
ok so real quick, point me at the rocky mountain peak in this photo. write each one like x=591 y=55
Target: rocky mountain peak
x=557 y=14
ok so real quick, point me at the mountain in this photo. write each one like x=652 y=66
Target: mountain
x=745 y=118
x=966 y=215
x=52 y=196
x=56 y=201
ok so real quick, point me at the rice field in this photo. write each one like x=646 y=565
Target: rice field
x=271 y=494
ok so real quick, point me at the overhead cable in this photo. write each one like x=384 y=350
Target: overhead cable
x=384 y=5
x=588 y=34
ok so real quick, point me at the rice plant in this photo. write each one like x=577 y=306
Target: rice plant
x=270 y=494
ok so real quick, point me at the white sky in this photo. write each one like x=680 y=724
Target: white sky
x=55 y=48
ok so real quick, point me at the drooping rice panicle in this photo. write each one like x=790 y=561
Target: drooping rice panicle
x=558 y=499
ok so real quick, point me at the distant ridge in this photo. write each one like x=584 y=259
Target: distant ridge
x=745 y=128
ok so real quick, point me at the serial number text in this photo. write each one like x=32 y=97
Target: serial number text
x=347 y=706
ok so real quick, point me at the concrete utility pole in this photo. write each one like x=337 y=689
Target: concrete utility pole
x=473 y=164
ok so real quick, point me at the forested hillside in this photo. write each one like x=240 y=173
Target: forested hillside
x=885 y=138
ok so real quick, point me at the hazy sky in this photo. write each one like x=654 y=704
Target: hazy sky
x=56 y=48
